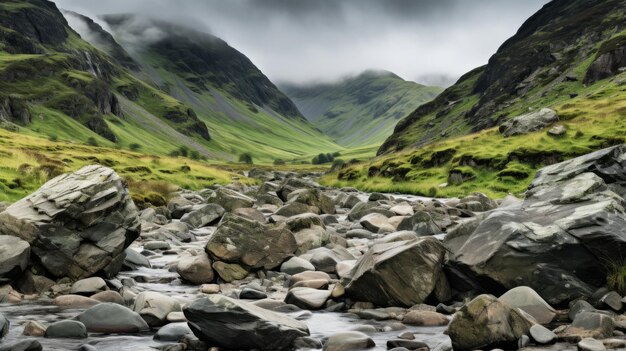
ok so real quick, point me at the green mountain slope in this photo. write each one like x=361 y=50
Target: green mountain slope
x=244 y=110
x=569 y=56
x=54 y=83
x=361 y=110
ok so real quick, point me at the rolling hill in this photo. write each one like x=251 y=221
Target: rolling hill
x=361 y=110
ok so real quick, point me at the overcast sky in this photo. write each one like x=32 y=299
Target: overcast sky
x=429 y=41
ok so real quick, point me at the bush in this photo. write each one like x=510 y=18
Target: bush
x=91 y=141
x=135 y=147
x=616 y=277
x=175 y=153
x=246 y=158
x=322 y=158
x=432 y=192
x=194 y=155
x=279 y=162
x=53 y=138
x=184 y=151
x=155 y=199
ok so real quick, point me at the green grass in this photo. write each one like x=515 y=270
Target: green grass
x=26 y=162
x=595 y=119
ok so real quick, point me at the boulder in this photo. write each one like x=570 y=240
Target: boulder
x=196 y=269
x=154 y=307
x=348 y=341
x=34 y=328
x=312 y=197
x=234 y=324
x=529 y=122
x=77 y=224
x=88 y=286
x=588 y=325
x=401 y=273
x=530 y=302
x=376 y=223
x=231 y=200
x=421 y=223
x=75 y=301
x=229 y=271
x=486 y=323
x=541 y=334
x=590 y=344
x=203 y=215
x=66 y=329
x=14 y=257
x=296 y=265
x=134 y=260
x=559 y=239
x=250 y=243
x=424 y=318
x=172 y=332
x=109 y=296
x=308 y=298
x=110 y=318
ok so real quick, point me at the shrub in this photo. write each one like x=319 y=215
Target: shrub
x=135 y=147
x=194 y=155
x=432 y=192
x=279 y=162
x=246 y=158
x=616 y=277
x=184 y=151
x=155 y=199
x=91 y=141
x=53 y=138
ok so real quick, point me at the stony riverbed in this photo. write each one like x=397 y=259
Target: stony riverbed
x=290 y=264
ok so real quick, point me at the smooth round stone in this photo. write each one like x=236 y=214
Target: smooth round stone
x=314 y=284
x=109 y=296
x=66 y=329
x=351 y=340
x=406 y=336
x=367 y=329
x=252 y=294
x=75 y=301
x=307 y=298
x=425 y=318
x=34 y=328
x=154 y=307
x=210 y=288
x=269 y=304
x=307 y=343
x=542 y=335
x=309 y=275
x=88 y=286
x=196 y=269
x=174 y=317
x=172 y=332
x=296 y=265
x=530 y=302
x=112 y=318
x=590 y=344
x=613 y=300
x=523 y=341
x=22 y=345
x=156 y=245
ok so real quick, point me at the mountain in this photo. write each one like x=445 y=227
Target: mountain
x=569 y=56
x=361 y=110
x=180 y=89
x=563 y=44
x=246 y=112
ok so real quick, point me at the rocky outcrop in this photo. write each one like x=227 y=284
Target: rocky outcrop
x=560 y=239
x=14 y=257
x=234 y=324
x=77 y=224
x=250 y=243
x=402 y=273
x=529 y=122
x=610 y=60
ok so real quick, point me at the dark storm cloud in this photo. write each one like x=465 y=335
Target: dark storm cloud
x=433 y=41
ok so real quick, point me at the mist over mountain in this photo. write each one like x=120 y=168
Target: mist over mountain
x=300 y=41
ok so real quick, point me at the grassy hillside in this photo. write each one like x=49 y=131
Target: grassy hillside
x=362 y=110
x=567 y=44
x=497 y=165
x=26 y=162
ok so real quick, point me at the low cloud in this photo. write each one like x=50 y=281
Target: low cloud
x=299 y=41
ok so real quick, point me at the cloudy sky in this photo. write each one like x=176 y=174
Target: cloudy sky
x=299 y=41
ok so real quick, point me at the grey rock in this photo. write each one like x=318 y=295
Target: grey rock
x=376 y=278
x=406 y=344
x=4 y=326
x=77 y=224
x=529 y=122
x=66 y=329
x=308 y=298
x=233 y=324
x=530 y=302
x=231 y=200
x=296 y=265
x=110 y=318
x=590 y=344
x=154 y=307
x=252 y=294
x=541 y=334
x=14 y=257
x=134 y=260
x=203 y=215
x=350 y=340
x=196 y=269
x=249 y=243
x=570 y=224
x=88 y=286
x=172 y=332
